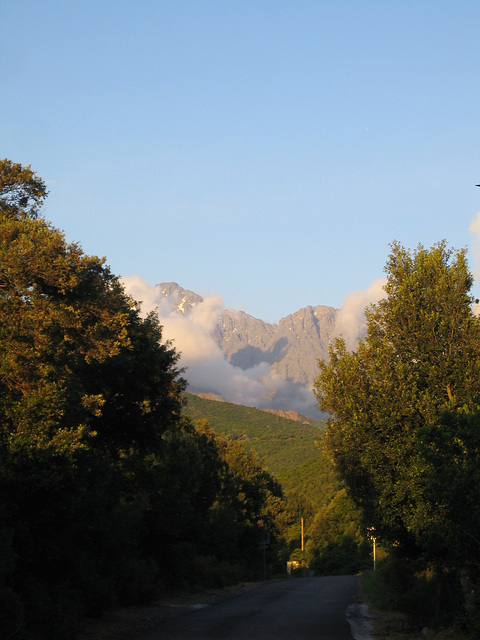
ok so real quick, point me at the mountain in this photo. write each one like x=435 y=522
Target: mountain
x=181 y=300
x=291 y=348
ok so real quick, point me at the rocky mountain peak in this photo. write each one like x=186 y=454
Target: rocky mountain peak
x=182 y=300
x=291 y=347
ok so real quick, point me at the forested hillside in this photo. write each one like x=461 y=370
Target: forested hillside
x=288 y=447
x=335 y=540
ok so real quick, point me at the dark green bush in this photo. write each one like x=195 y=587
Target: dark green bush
x=345 y=558
x=426 y=596
x=209 y=572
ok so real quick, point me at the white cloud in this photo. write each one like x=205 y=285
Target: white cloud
x=351 y=322
x=474 y=229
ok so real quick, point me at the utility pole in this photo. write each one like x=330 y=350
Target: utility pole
x=303 y=546
x=372 y=534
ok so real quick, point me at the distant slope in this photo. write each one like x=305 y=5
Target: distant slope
x=287 y=446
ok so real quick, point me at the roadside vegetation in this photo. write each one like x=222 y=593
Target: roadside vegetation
x=108 y=493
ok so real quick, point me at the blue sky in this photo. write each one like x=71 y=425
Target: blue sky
x=264 y=151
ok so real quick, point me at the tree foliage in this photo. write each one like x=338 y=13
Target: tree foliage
x=249 y=507
x=88 y=391
x=289 y=452
x=421 y=356
x=22 y=192
x=452 y=484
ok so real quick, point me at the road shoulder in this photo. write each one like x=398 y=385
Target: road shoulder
x=393 y=625
x=127 y=622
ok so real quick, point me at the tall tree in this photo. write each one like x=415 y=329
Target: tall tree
x=421 y=356
x=89 y=402
x=71 y=341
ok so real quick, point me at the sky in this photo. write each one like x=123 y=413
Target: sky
x=267 y=152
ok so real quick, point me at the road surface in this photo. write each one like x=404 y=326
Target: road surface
x=296 y=609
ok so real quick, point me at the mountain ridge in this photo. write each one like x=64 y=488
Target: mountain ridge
x=290 y=348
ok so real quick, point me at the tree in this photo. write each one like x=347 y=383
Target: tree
x=248 y=507
x=71 y=340
x=60 y=311
x=336 y=542
x=22 y=192
x=452 y=485
x=420 y=357
x=90 y=413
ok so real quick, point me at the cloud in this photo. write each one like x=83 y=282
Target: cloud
x=351 y=322
x=207 y=369
x=474 y=229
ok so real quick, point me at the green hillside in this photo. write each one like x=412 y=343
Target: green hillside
x=287 y=446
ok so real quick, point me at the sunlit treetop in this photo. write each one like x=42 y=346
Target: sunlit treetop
x=22 y=191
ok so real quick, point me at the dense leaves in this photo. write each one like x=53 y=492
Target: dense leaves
x=337 y=542
x=420 y=357
x=452 y=484
x=22 y=192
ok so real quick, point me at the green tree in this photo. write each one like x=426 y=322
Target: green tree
x=337 y=542
x=90 y=416
x=76 y=359
x=421 y=356
x=184 y=478
x=248 y=508
x=452 y=447
x=452 y=485
x=22 y=192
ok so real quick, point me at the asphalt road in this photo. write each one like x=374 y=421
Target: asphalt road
x=297 y=609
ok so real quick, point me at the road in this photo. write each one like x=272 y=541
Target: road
x=296 y=609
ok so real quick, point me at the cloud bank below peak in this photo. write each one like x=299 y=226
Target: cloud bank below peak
x=207 y=369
